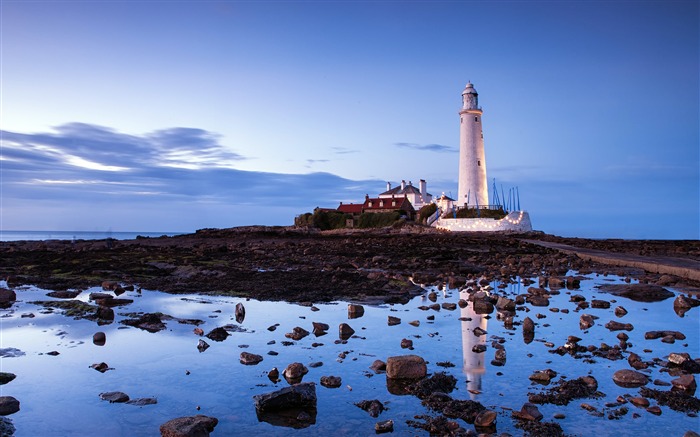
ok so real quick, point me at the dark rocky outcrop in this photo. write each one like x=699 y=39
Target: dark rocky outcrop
x=8 y=405
x=150 y=322
x=638 y=292
x=191 y=426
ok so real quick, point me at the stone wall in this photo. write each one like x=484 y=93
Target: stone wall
x=516 y=221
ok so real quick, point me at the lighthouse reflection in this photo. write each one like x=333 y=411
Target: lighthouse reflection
x=472 y=363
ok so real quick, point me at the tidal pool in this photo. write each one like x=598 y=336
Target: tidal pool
x=59 y=394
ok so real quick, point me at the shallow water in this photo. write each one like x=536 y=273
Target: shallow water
x=59 y=395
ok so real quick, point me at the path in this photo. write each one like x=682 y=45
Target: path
x=683 y=267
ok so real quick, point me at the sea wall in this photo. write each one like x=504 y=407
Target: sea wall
x=516 y=221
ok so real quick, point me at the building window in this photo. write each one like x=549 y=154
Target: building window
x=476 y=119
x=478 y=163
x=461 y=119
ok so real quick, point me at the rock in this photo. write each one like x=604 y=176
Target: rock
x=64 y=294
x=385 y=426
x=577 y=298
x=294 y=373
x=6 y=377
x=485 y=419
x=482 y=307
x=639 y=402
x=684 y=302
x=378 y=366
x=479 y=348
x=630 y=378
x=218 y=334
x=478 y=331
x=373 y=407
x=150 y=322
x=190 y=426
x=240 y=313
x=617 y=326
x=684 y=384
x=8 y=405
x=140 y=402
x=331 y=381
x=638 y=292
x=505 y=304
x=601 y=304
x=620 y=311
x=345 y=331
x=585 y=321
x=320 y=328
x=297 y=333
x=104 y=313
x=406 y=367
x=543 y=376
x=301 y=395
x=392 y=321
x=678 y=358
x=100 y=367
x=99 y=338
x=572 y=282
x=250 y=359
x=202 y=345
x=114 y=396
x=636 y=362
x=555 y=283
x=355 y=311
x=655 y=409
x=449 y=306
x=7 y=298
x=653 y=335
x=530 y=412
x=109 y=285
x=415 y=323
x=500 y=357
x=406 y=343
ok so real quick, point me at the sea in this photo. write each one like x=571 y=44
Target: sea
x=78 y=235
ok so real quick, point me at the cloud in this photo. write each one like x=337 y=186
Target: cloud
x=343 y=150
x=83 y=165
x=428 y=147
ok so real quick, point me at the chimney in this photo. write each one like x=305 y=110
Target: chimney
x=423 y=188
x=403 y=185
x=388 y=186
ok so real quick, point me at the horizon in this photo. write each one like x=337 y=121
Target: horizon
x=187 y=115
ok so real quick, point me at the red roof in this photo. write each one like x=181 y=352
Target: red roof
x=350 y=208
x=394 y=203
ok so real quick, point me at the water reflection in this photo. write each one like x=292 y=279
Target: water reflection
x=472 y=362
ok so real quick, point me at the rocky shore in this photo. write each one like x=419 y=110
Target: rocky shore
x=297 y=264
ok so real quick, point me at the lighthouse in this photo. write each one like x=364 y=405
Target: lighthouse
x=473 y=189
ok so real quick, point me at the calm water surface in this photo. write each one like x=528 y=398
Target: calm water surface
x=59 y=395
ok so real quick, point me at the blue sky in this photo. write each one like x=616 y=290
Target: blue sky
x=175 y=116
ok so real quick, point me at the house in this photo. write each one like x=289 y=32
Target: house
x=418 y=197
x=374 y=205
x=446 y=204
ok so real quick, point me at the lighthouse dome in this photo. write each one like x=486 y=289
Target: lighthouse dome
x=469 y=89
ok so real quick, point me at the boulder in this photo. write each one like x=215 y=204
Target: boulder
x=585 y=321
x=190 y=426
x=7 y=297
x=378 y=366
x=104 y=313
x=617 y=326
x=406 y=367
x=114 y=396
x=406 y=343
x=294 y=373
x=218 y=334
x=320 y=328
x=630 y=378
x=505 y=304
x=373 y=407
x=99 y=338
x=297 y=333
x=355 y=311
x=485 y=419
x=530 y=412
x=384 y=426
x=392 y=321
x=482 y=306
x=100 y=367
x=331 y=381
x=250 y=359
x=240 y=312
x=601 y=304
x=6 y=377
x=301 y=395
x=620 y=311
x=638 y=292
x=345 y=331
x=202 y=345
x=685 y=384
x=8 y=405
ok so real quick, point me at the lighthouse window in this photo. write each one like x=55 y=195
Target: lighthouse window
x=476 y=119
x=461 y=119
x=478 y=163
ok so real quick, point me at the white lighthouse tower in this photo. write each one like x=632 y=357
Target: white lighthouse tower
x=473 y=189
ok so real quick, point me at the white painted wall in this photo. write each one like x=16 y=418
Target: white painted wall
x=516 y=221
x=472 y=159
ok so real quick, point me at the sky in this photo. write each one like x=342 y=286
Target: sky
x=180 y=115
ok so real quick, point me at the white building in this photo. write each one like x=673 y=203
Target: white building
x=418 y=197
x=473 y=187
